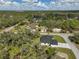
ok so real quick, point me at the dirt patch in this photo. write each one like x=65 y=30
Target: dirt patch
x=77 y=45
x=62 y=55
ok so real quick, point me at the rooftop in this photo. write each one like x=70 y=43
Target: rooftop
x=48 y=39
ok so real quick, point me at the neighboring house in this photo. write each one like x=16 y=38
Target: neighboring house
x=57 y=30
x=33 y=30
x=48 y=39
x=33 y=27
x=43 y=29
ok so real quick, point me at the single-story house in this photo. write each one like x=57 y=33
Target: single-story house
x=48 y=39
x=57 y=30
x=43 y=29
x=33 y=27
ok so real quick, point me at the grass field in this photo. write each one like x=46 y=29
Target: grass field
x=68 y=52
x=59 y=39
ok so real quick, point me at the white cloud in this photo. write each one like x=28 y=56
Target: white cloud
x=41 y=4
x=30 y=0
x=15 y=3
x=29 y=4
x=25 y=0
x=55 y=3
x=52 y=2
x=8 y=3
x=68 y=0
x=1 y=0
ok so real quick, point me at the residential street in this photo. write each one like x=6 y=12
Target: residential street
x=65 y=36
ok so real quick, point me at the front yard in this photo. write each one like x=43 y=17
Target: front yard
x=68 y=52
x=59 y=39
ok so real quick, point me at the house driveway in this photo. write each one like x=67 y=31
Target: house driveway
x=60 y=45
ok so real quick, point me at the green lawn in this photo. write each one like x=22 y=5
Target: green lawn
x=59 y=39
x=68 y=52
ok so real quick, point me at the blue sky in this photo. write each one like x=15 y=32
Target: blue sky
x=38 y=0
x=40 y=5
x=45 y=0
x=17 y=1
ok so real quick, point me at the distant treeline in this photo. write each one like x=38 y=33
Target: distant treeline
x=50 y=13
x=69 y=18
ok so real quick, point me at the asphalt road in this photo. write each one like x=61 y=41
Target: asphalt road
x=65 y=36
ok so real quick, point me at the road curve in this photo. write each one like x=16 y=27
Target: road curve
x=65 y=36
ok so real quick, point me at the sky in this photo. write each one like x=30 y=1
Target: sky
x=39 y=4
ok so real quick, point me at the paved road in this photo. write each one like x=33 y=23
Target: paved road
x=65 y=36
x=9 y=28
